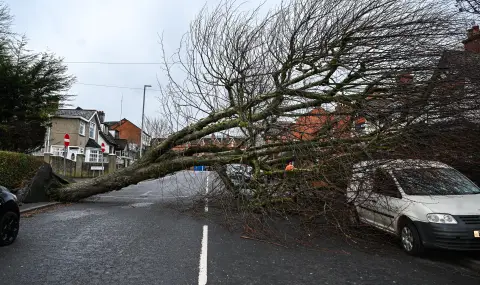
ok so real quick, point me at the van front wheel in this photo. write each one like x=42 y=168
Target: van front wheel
x=410 y=238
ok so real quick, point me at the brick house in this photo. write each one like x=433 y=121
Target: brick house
x=317 y=122
x=220 y=141
x=131 y=133
x=453 y=68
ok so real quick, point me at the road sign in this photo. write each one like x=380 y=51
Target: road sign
x=66 y=143
x=103 y=147
x=66 y=140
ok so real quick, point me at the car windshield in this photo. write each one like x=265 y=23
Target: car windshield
x=435 y=181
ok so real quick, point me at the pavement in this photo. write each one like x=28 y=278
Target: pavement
x=24 y=208
x=135 y=236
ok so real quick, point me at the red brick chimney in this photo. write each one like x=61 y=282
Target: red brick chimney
x=472 y=43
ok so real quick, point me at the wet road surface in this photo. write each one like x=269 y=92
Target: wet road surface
x=132 y=236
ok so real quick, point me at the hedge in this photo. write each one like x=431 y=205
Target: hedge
x=17 y=168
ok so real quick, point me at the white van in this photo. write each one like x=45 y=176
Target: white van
x=425 y=203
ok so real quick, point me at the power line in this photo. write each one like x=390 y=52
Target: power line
x=132 y=63
x=114 y=86
x=129 y=63
x=116 y=63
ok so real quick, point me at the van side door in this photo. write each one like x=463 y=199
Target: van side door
x=360 y=192
x=389 y=204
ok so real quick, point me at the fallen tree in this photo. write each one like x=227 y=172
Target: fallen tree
x=245 y=72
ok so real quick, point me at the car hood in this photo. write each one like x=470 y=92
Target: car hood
x=450 y=204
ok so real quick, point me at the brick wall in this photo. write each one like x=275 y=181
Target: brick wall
x=127 y=130
x=86 y=168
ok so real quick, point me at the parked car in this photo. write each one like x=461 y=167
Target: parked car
x=239 y=173
x=426 y=204
x=9 y=217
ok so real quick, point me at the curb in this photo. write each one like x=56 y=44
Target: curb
x=473 y=264
x=22 y=211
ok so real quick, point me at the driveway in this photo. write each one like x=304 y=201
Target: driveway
x=133 y=236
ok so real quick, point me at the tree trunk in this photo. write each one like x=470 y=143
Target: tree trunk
x=130 y=175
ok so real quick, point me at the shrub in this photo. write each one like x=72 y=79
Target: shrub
x=17 y=168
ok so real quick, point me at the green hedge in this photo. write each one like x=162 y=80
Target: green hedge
x=17 y=168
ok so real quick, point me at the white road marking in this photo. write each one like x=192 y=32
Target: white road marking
x=202 y=274
x=206 y=198
x=146 y=193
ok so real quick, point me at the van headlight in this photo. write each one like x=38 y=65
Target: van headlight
x=441 y=219
x=15 y=197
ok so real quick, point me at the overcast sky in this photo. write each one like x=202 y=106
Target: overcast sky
x=108 y=31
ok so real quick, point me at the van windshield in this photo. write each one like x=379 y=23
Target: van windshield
x=435 y=181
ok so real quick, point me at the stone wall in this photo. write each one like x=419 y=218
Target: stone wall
x=57 y=165
x=80 y=168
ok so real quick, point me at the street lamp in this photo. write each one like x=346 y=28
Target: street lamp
x=143 y=112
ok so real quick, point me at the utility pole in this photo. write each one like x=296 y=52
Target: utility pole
x=143 y=113
x=121 y=108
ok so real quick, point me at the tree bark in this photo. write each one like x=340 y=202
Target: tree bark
x=131 y=175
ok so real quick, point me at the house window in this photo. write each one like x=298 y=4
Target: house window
x=92 y=130
x=94 y=155
x=82 y=128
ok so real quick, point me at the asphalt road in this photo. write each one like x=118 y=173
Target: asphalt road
x=132 y=236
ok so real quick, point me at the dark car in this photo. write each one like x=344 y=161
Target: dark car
x=9 y=217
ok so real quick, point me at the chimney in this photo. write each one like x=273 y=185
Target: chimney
x=101 y=116
x=472 y=43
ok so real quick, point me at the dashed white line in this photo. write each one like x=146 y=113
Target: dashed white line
x=206 y=198
x=202 y=274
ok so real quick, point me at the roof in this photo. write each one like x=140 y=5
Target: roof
x=398 y=164
x=467 y=63
x=108 y=138
x=461 y=69
x=110 y=123
x=78 y=112
x=279 y=128
x=93 y=144
x=121 y=143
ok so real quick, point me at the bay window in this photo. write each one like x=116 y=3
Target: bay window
x=94 y=155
